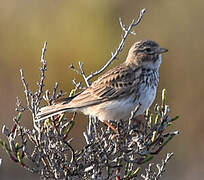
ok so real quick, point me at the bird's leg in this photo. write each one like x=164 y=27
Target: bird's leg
x=111 y=126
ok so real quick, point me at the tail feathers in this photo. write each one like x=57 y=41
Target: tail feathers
x=49 y=111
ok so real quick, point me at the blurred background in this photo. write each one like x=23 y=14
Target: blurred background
x=88 y=31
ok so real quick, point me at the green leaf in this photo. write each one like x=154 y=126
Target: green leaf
x=69 y=128
x=17 y=146
x=61 y=117
x=164 y=97
x=175 y=118
x=156 y=119
x=72 y=93
x=167 y=141
x=48 y=122
x=19 y=157
x=147 y=112
x=6 y=146
x=154 y=136
x=135 y=173
x=170 y=124
x=18 y=116
x=129 y=174
x=148 y=158
x=1 y=142
x=132 y=174
x=150 y=122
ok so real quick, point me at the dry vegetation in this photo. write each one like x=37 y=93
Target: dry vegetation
x=47 y=148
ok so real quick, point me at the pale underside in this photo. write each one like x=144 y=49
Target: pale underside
x=121 y=109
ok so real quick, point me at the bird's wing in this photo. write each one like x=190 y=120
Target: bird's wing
x=118 y=82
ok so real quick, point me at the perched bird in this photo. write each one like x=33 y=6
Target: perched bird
x=115 y=94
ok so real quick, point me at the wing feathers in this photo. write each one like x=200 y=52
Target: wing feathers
x=116 y=83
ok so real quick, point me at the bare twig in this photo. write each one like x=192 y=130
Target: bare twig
x=43 y=52
x=127 y=31
x=20 y=107
x=43 y=70
x=162 y=167
x=114 y=56
x=83 y=74
x=133 y=113
x=151 y=174
x=106 y=156
x=80 y=72
x=27 y=91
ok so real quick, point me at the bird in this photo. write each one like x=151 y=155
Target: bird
x=116 y=93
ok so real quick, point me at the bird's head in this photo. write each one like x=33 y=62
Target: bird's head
x=145 y=53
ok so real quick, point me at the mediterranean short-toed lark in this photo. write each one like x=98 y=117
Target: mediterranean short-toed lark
x=117 y=92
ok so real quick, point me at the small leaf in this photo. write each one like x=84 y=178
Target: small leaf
x=136 y=172
x=129 y=174
x=158 y=109
x=150 y=122
x=72 y=93
x=132 y=174
x=175 y=118
x=69 y=128
x=170 y=124
x=154 y=136
x=17 y=146
x=48 y=122
x=167 y=141
x=61 y=117
x=156 y=119
x=19 y=157
x=147 y=112
x=1 y=142
x=148 y=158
x=163 y=97
x=18 y=116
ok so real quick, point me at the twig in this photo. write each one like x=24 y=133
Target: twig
x=161 y=168
x=83 y=74
x=43 y=69
x=26 y=90
x=127 y=31
x=106 y=156
x=19 y=106
x=133 y=113
x=43 y=52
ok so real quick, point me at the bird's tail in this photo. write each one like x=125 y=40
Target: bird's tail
x=49 y=111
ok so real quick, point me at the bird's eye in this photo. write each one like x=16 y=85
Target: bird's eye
x=148 y=49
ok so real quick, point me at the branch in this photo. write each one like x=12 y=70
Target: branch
x=127 y=31
x=161 y=168
x=43 y=70
x=80 y=72
x=81 y=65
x=47 y=149
x=26 y=90
x=114 y=56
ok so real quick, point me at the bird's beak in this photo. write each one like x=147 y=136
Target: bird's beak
x=162 y=50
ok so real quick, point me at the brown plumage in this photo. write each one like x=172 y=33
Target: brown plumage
x=117 y=92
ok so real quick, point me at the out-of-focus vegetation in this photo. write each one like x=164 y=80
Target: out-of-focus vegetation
x=88 y=31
